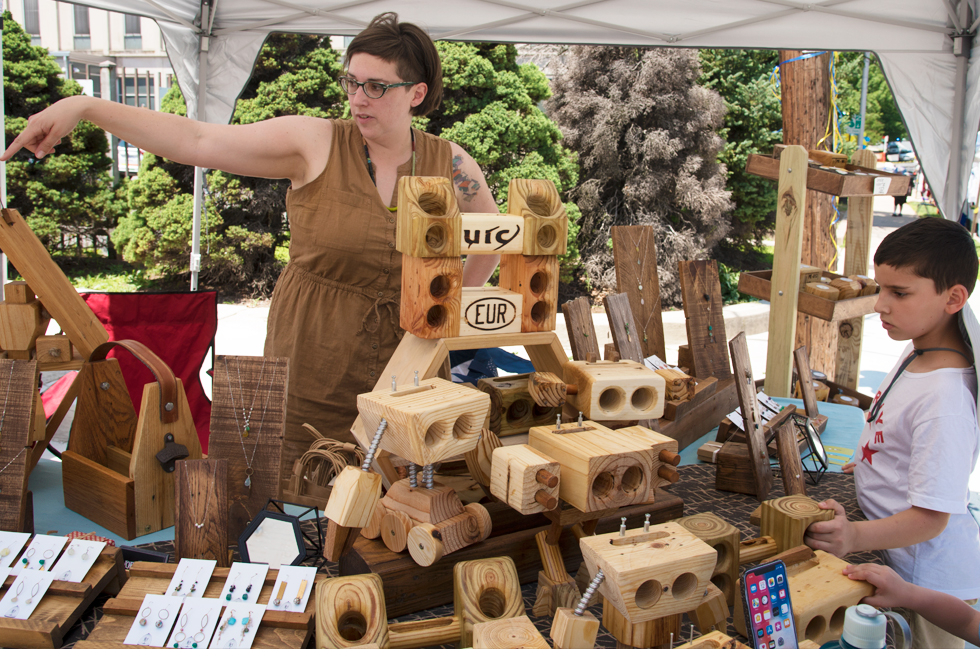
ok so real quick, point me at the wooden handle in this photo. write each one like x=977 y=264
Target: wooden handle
x=668 y=473
x=546 y=478
x=161 y=372
x=669 y=457
x=571 y=388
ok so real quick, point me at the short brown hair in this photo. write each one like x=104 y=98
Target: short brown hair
x=409 y=48
x=934 y=248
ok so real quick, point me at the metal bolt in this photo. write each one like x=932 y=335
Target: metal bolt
x=394 y=384
x=416 y=377
x=789 y=170
x=413 y=475
x=646 y=523
x=366 y=466
x=579 y=418
x=589 y=592
x=780 y=292
x=622 y=526
x=168 y=407
x=558 y=423
x=104 y=385
x=427 y=471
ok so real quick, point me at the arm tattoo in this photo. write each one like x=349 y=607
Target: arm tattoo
x=466 y=185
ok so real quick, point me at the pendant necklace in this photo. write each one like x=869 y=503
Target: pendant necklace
x=207 y=502
x=246 y=417
x=639 y=278
x=242 y=435
x=705 y=295
x=370 y=165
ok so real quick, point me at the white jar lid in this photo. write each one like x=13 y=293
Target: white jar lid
x=864 y=627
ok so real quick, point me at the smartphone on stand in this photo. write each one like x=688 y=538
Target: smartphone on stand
x=768 y=609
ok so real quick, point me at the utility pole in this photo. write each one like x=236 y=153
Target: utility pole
x=805 y=90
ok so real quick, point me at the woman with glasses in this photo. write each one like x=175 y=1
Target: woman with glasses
x=334 y=311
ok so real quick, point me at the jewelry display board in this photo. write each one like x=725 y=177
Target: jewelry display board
x=18 y=385
x=201 y=530
x=635 y=254
x=63 y=604
x=748 y=402
x=248 y=414
x=701 y=290
x=278 y=629
x=581 y=330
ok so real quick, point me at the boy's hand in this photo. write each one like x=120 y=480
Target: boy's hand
x=847 y=468
x=836 y=536
x=889 y=587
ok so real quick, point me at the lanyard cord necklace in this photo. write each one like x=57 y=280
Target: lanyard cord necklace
x=370 y=165
x=876 y=409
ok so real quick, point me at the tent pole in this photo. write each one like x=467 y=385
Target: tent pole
x=200 y=114
x=954 y=199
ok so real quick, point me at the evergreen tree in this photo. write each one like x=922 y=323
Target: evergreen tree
x=646 y=134
x=66 y=197
x=882 y=117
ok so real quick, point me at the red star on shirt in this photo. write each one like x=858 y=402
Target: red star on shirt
x=867 y=452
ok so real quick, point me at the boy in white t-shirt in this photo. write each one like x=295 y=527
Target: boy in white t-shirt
x=915 y=455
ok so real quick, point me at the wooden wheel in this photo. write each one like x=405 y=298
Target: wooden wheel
x=395 y=526
x=482 y=517
x=424 y=548
x=373 y=529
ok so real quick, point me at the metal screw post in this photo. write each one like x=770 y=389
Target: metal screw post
x=622 y=526
x=416 y=377
x=558 y=422
x=413 y=475
x=646 y=523
x=579 y=418
x=394 y=383
x=374 y=445
x=589 y=592
x=427 y=476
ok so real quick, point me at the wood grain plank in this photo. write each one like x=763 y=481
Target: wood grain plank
x=706 y=337
x=18 y=384
x=581 y=330
x=747 y=400
x=635 y=258
x=202 y=500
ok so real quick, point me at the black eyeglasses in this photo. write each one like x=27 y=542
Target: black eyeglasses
x=372 y=89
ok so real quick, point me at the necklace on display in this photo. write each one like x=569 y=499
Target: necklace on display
x=14 y=459
x=706 y=296
x=641 y=260
x=207 y=501
x=246 y=428
x=242 y=434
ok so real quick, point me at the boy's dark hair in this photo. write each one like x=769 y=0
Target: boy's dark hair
x=934 y=248
x=409 y=48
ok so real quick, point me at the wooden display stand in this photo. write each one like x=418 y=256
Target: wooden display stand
x=118 y=469
x=820 y=593
x=201 y=525
x=64 y=604
x=513 y=535
x=18 y=381
x=278 y=630
x=253 y=455
x=756 y=449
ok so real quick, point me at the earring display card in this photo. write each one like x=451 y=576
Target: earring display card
x=292 y=588
x=41 y=554
x=238 y=626
x=77 y=560
x=24 y=594
x=191 y=578
x=10 y=545
x=196 y=624
x=156 y=617
x=244 y=582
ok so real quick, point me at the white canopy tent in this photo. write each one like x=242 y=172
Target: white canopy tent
x=926 y=48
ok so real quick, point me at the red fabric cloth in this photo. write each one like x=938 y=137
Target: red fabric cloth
x=178 y=327
x=51 y=398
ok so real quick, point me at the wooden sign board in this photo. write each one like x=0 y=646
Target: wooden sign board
x=492 y=234
x=490 y=310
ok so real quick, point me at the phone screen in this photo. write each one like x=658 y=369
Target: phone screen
x=765 y=593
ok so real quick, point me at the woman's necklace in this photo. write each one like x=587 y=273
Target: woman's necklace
x=370 y=165
x=258 y=432
x=207 y=502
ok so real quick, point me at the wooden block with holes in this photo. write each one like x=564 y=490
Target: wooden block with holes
x=513 y=633
x=786 y=519
x=649 y=575
x=426 y=423
x=429 y=221
x=712 y=612
x=512 y=409
x=485 y=590
x=490 y=310
x=535 y=279
x=820 y=593
x=52 y=349
x=348 y=607
x=570 y=631
x=602 y=468
x=545 y=221
x=525 y=479
x=353 y=497
x=431 y=297
x=622 y=390
x=725 y=539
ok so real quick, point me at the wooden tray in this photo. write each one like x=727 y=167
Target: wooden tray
x=410 y=588
x=278 y=630
x=63 y=604
x=859 y=181
x=758 y=283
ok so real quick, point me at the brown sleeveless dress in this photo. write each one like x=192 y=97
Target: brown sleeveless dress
x=334 y=311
